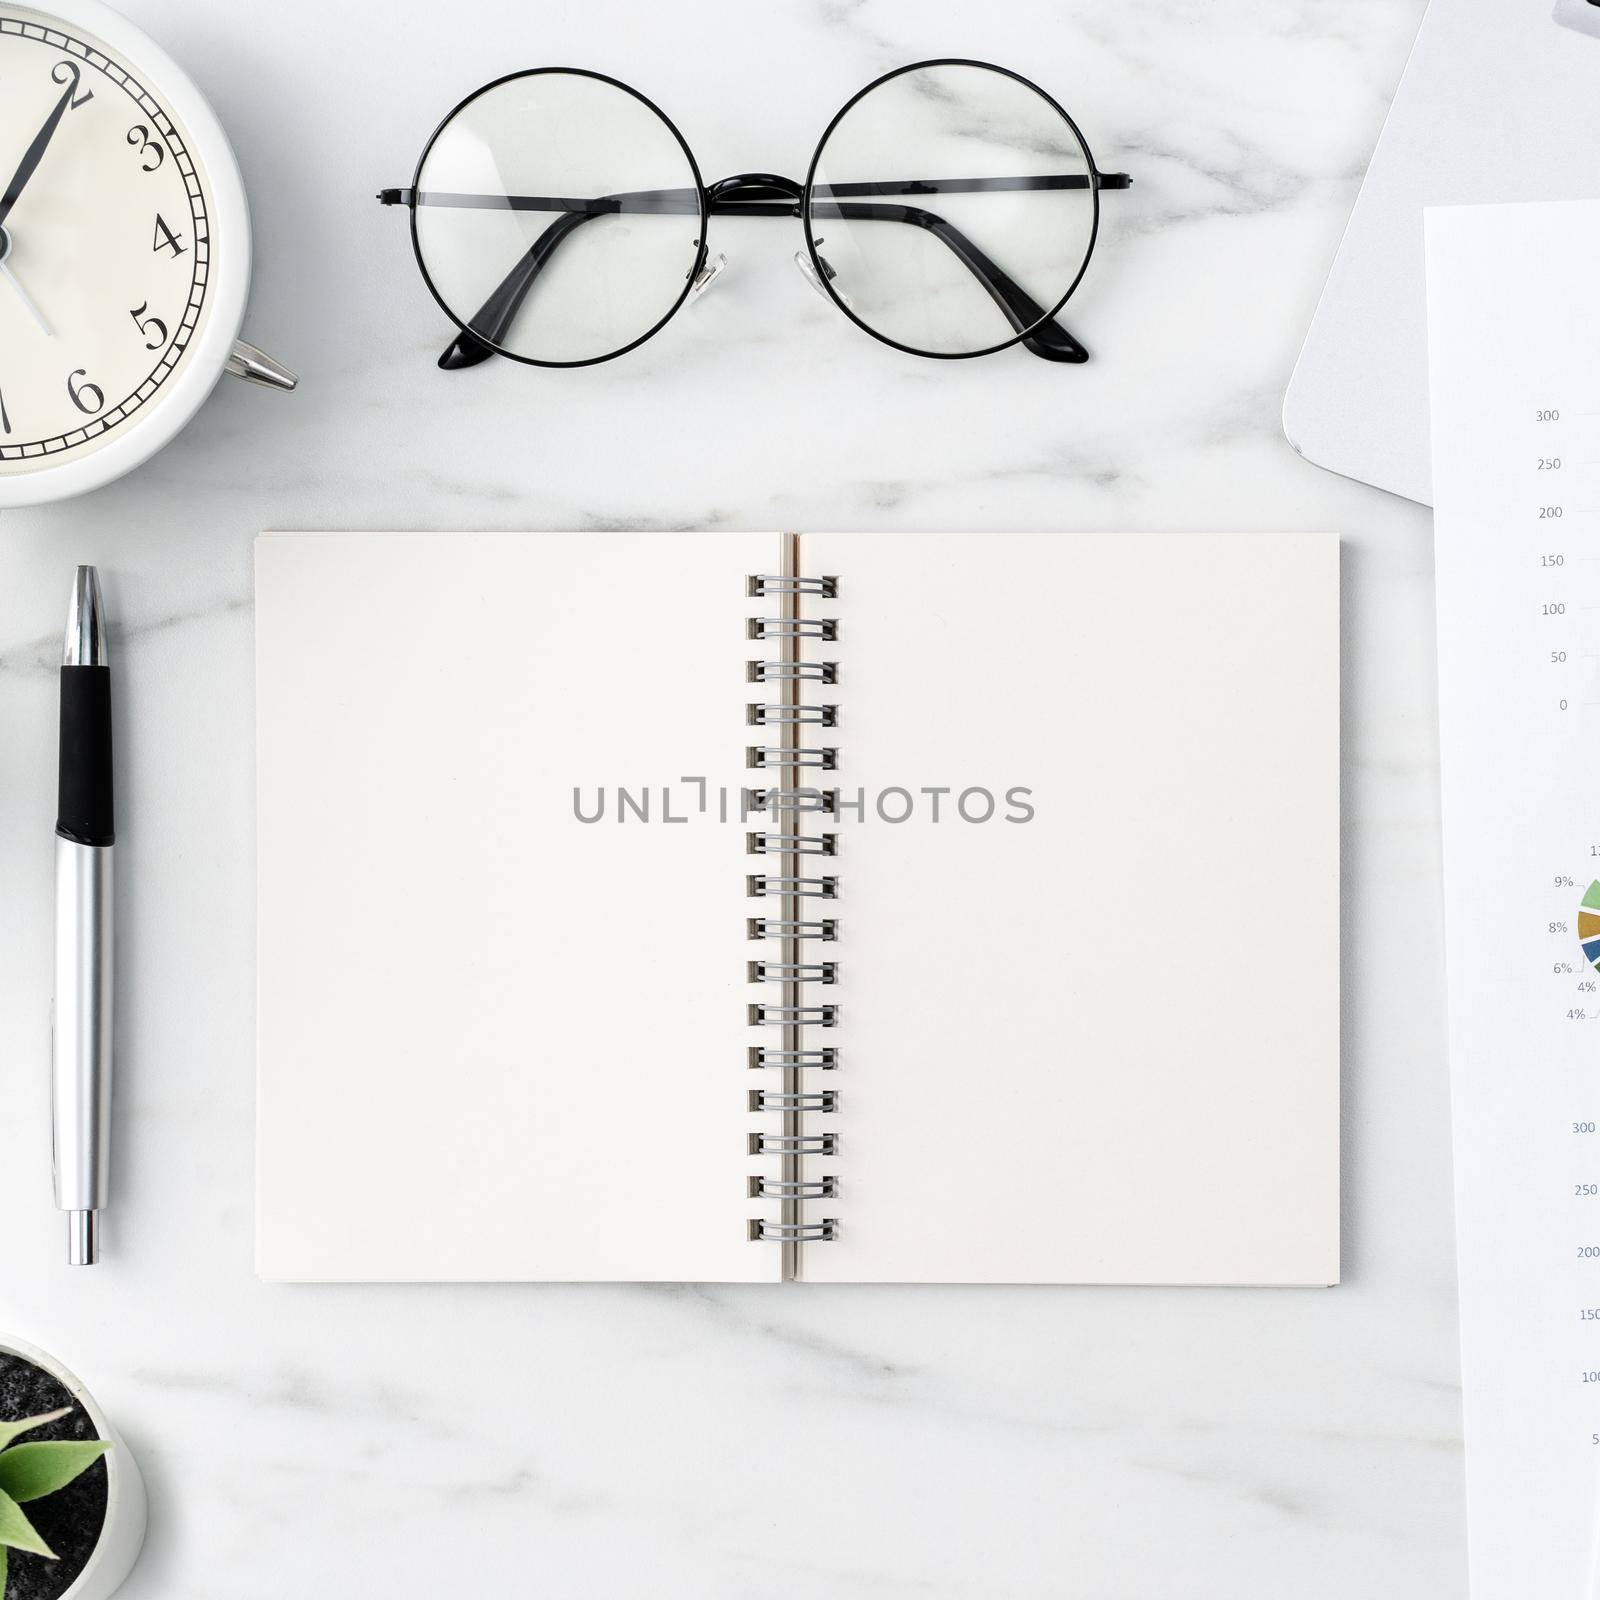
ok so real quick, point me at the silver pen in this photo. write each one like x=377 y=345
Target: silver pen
x=81 y=1082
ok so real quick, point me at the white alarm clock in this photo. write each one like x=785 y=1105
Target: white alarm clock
x=124 y=251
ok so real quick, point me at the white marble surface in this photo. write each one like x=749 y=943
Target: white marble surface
x=692 y=1442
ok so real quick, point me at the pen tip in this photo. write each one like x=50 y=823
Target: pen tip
x=83 y=1238
x=86 y=623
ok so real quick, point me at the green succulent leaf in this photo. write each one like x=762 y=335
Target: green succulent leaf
x=10 y=1430
x=4 y=1562
x=30 y=1471
x=18 y=1532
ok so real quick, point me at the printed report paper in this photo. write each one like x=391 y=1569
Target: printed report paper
x=1514 y=321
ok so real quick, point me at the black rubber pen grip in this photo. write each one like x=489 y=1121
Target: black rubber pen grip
x=83 y=806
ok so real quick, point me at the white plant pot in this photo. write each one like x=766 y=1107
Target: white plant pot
x=122 y=1534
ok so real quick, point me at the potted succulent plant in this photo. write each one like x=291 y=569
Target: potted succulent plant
x=72 y=1506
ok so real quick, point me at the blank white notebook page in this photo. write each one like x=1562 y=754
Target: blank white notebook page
x=1101 y=1045
x=494 y=1041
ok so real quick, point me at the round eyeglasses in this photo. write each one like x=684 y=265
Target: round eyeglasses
x=950 y=210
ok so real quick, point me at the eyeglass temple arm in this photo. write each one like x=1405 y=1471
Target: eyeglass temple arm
x=493 y=319
x=1047 y=339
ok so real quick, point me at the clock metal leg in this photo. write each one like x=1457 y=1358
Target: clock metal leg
x=256 y=366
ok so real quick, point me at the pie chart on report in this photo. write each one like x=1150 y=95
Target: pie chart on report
x=1589 y=924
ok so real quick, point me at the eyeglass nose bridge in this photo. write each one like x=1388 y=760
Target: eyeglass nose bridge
x=762 y=194
x=755 y=194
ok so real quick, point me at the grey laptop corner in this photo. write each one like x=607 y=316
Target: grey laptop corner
x=1497 y=103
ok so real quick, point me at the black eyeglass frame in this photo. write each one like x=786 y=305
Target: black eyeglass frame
x=768 y=194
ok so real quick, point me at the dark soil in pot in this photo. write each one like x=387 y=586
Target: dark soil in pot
x=70 y=1520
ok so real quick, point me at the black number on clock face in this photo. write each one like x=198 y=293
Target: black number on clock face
x=166 y=239
x=87 y=397
x=67 y=72
x=139 y=138
x=153 y=341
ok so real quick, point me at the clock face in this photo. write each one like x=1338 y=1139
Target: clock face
x=105 y=244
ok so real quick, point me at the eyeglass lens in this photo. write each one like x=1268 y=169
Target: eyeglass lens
x=941 y=186
x=562 y=217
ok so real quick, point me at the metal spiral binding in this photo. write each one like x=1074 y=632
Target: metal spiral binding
x=800 y=844
x=823 y=1060
x=761 y=883
x=759 y=587
x=825 y=928
x=819 y=1100
x=793 y=971
x=784 y=671
x=780 y=715
x=793 y=1016
x=796 y=1144
x=790 y=1233
x=787 y=755
x=786 y=845
x=797 y=800
x=806 y=1189
x=794 y=628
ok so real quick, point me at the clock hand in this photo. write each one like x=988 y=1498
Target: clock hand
x=34 y=153
x=23 y=296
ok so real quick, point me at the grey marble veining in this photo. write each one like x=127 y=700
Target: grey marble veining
x=574 y=1442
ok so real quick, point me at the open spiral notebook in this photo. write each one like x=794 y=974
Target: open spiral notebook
x=844 y=907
